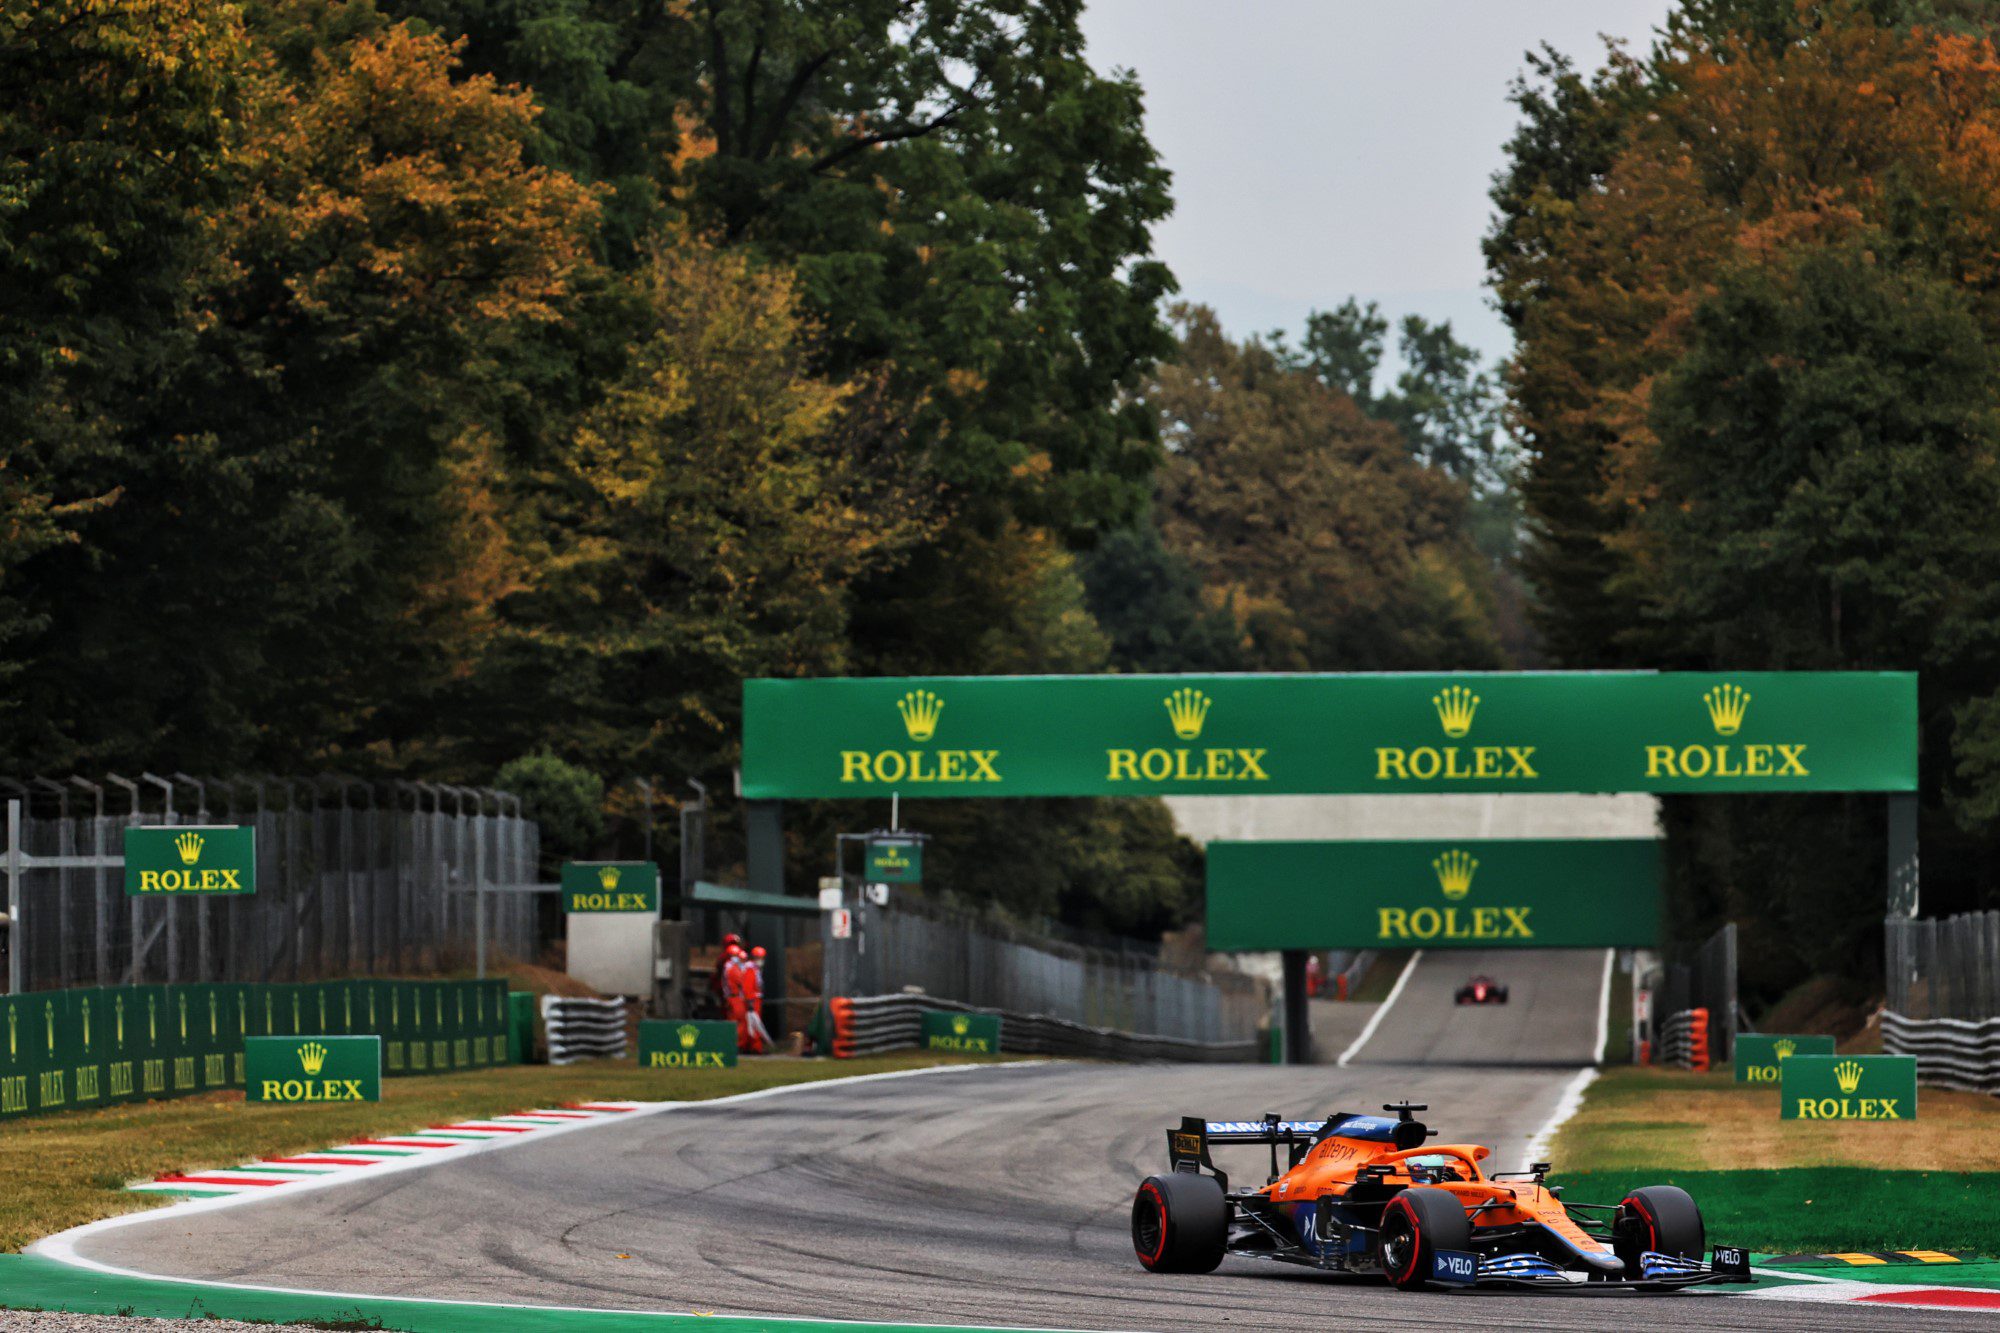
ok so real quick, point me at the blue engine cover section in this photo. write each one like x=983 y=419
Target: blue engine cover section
x=1456 y=1267
x=1370 y=1127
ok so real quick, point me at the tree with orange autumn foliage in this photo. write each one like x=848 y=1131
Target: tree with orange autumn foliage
x=1753 y=280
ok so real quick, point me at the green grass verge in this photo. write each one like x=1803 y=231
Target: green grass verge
x=1790 y=1186
x=1824 y=1209
x=65 y=1170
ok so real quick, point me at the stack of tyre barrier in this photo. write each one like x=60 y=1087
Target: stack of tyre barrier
x=868 y=1025
x=581 y=1029
x=1684 y=1039
x=1951 y=1052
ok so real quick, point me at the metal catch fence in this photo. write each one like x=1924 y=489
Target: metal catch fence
x=352 y=878
x=988 y=963
x=1947 y=968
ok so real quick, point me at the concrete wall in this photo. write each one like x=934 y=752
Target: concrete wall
x=1303 y=818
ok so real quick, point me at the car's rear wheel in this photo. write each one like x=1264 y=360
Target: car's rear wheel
x=1180 y=1223
x=1660 y=1218
x=1416 y=1224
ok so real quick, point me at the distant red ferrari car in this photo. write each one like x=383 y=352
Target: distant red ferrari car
x=1481 y=990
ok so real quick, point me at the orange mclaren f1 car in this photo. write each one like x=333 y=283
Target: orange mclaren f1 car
x=1366 y=1194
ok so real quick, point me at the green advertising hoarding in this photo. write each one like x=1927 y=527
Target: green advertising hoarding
x=190 y=860
x=1250 y=734
x=895 y=861
x=611 y=886
x=1848 y=1087
x=1522 y=893
x=1759 y=1054
x=313 y=1068
x=695 y=1043
x=964 y=1034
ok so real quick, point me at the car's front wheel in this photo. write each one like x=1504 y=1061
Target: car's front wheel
x=1180 y=1223
x=1660 y=1218
x=1416 y=1224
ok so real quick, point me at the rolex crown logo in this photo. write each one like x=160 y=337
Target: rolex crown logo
x=1187 y=709
x=312 y=1057
x=1784 y=1046
x=1454 y=871
x=960 y=1024
x=608 y=876
x=189 y=846
x=1455 y=706
x=1848 y=1074
x=920 y=709
x=689 y=1035
x=1726 y=706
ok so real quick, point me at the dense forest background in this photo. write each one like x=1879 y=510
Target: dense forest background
x=443 y=388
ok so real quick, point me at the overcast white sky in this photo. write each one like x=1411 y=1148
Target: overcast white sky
x=1328 y=148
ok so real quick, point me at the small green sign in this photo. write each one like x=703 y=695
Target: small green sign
x=1758 y=1053
x=965 y=1034
x=611 y=886
x=1848 y=1087
x=693 y=1043
x=896 y=861
x=201 y=860
x=313 y=1069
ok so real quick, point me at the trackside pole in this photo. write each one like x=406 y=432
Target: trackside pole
x=1298 y=1017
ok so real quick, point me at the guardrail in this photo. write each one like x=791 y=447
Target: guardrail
x=60 y=1050
x=1684 y=1039
x=868 y=1025
x=1951 y=1052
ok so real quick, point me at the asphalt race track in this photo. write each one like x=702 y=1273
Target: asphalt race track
x=993 y=1195
x=1550 y=1018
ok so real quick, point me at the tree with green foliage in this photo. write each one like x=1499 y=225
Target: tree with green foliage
x=566 y=801
x=1309 y=521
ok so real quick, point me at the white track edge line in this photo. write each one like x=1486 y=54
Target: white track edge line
x=1567 y=1104
x=1604 y=1007
x=1375 y=1018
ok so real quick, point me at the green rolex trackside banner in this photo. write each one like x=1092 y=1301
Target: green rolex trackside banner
x=895 y=861
x=693 y=1043
x=611 y=886
x=965 y=1034
x=202 y=860
x=1848 y=1087
x=313 y=1069
x=1758 y=1054
x=1244 y=735
x=1472 y=893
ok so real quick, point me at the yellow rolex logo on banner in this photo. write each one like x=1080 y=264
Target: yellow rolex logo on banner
x=1187 y=713
x=1454 y=871
x=189 y=846
x=607 y=876
x=312 y=1057
x=1784 y=1047
x=921 y=711
x=1456 y=706
x=1728 y=707
x=1848 y=1075
x=1187 y=709
x=689 y=1035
